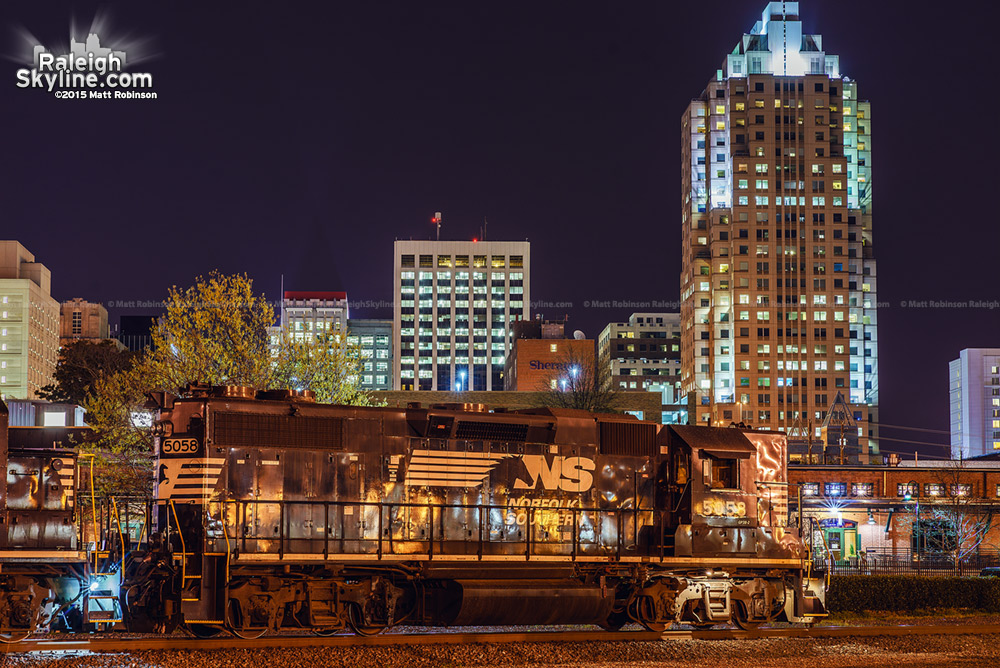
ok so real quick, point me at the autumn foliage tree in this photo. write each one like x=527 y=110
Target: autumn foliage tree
x=215 y=332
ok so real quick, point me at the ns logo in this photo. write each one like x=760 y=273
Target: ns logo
x=570 y=474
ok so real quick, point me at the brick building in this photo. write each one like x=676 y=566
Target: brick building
x=541 y=356
x=915 y=508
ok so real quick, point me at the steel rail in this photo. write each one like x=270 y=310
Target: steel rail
x=178 y=642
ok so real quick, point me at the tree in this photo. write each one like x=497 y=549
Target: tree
x=124 y=451
x=215 y=332
x=583 y=382
x=80 y=365
x=327 y=365
x=954 y=520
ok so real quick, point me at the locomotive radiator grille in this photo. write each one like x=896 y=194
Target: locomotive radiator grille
x=277 y=431
x=628 y=438
x=473 y=430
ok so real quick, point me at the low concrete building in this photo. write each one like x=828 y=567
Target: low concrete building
x=82 y=320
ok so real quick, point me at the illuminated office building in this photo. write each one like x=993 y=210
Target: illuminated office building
x=778 y=282
x=29 y=324
x=453 y=305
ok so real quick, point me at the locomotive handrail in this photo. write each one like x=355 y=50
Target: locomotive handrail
x=118 y=523
x=229 y=551
x=180 y=533
x=623 y=537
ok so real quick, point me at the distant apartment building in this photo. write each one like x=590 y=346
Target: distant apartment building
x=374 y=339
x=644 y=355
x=974 y=398
x=307 y=313
x=82 y=320
x=453 y=306
x=29 y=323
x=778 y=280
x=542 y=357
x=645 y=352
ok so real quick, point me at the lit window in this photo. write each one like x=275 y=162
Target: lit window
x=835 y=489
x=553 y=347
x=810 y=489
x=720 y=109
x=720 y=125
x=862 y=489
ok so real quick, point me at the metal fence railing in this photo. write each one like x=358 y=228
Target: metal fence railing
x=907 y=563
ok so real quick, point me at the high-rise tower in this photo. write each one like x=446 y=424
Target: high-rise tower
x=778 y=283
x=454 y=303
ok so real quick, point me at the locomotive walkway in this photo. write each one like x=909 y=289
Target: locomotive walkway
x=178 y=642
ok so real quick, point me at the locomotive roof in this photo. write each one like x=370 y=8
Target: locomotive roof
x=725 y=441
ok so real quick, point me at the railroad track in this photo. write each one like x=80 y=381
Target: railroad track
x=176 y=642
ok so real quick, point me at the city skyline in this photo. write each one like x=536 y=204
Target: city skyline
x=559 y=130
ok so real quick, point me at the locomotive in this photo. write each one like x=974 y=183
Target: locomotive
x=42 y=566
x=271 y=512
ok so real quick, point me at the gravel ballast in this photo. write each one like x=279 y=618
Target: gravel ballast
x=934 y=650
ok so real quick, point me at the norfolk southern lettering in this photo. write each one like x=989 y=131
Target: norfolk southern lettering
x=74 y=71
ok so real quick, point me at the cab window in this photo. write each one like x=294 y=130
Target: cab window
x=721 y=473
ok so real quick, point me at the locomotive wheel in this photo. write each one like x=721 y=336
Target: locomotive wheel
x=242 y=632
x=14 y=636
x=203 y=630
x=615 y=621
x=741 y=617
x=326 y=632
x=646 y=614
x=355 y=619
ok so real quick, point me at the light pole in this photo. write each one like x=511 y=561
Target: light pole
x=913 y=493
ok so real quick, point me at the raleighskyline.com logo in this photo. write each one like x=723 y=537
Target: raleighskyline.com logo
x=88 y=71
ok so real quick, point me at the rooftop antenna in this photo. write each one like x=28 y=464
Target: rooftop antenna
x=281 y=303
x=437 y=220
x=484 y=228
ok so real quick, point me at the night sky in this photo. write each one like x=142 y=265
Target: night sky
x=302 y=138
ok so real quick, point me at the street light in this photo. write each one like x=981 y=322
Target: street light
x=461 y=381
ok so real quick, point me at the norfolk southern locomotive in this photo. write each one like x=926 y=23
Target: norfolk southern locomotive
x=43 y=570
x=274 y=512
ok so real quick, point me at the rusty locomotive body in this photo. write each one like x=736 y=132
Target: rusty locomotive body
x=273 y=511
x=42 y=565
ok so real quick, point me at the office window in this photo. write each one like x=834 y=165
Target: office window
x=812 y=489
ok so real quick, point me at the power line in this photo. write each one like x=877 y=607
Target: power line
x=896 y=426
x=909 y=442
